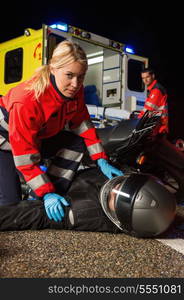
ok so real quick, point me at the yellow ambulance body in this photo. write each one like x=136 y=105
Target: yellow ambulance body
x=19 y=58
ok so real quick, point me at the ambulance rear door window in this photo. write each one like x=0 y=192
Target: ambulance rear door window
x=13 y=65
x=134 y=75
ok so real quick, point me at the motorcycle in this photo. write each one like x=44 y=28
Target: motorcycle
x=135 y=145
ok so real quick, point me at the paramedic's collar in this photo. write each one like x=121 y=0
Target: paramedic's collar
x=53 y=81
x=152 y=85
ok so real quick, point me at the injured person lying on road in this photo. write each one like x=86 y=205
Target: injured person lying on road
x=136 y=204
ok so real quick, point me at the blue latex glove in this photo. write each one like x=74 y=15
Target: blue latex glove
x=107 y=169
x=53 y=204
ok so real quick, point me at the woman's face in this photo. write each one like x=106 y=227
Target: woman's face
x=70 y=78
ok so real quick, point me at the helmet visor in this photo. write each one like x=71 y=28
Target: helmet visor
x=108 y=195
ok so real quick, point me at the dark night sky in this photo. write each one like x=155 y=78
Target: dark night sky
x=153 y=31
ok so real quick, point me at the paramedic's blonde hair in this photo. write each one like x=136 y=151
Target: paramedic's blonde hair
x=65 y=53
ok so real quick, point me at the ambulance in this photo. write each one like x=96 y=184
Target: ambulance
x=112 y=85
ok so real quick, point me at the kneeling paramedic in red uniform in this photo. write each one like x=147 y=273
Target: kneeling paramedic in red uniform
x=156 y=98
x=33 y=116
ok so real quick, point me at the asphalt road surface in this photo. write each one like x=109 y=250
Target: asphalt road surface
x=70 y=254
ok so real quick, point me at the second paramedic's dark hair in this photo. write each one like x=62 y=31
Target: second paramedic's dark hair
x=148 y=70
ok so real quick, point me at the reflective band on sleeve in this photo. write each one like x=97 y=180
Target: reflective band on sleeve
x=60 y=172
x=85 y=125
x=38 y=181
x=2 y=139
x=4 y=144
x=3 y=123
x=70 y=155
x=154 y=106
x=27 y=159
x=162 y=107
x=96 y=148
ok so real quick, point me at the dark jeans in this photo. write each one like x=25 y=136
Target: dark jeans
x=10 y=187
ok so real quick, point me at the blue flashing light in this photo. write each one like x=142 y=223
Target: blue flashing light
x=54 y=26
x=43 y=168
x=129 y=50
x=60 y=26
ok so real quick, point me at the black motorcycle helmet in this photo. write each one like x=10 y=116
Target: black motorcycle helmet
x=142 y=204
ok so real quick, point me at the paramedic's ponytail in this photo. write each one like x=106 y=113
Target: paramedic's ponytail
x=40 y=80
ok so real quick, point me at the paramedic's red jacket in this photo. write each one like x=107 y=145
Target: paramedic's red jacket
x=157 y=100
x=32 y=120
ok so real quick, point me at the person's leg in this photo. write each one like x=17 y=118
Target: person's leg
x=66 y=151
x=10 y=188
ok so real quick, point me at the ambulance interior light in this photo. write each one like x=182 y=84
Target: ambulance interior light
x=60 y=26
x=95 y=60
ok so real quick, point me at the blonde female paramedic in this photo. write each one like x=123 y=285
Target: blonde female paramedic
x=33 y=118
